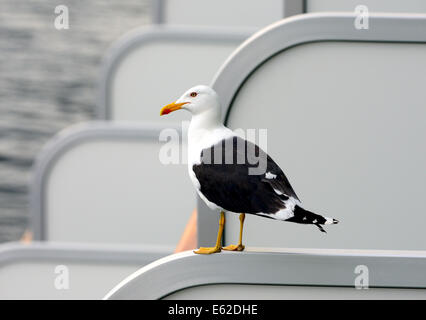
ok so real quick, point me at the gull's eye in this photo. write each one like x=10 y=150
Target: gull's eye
x=193 y=94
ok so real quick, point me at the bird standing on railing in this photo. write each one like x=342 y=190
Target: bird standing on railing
x=232 y=174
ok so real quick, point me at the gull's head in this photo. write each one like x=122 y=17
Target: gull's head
x=197 y=100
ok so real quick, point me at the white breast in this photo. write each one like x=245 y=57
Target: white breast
x=199 y=139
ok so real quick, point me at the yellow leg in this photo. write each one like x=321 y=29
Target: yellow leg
x=239 y=246
x=218 y=246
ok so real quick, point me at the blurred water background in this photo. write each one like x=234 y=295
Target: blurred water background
x=48 y=80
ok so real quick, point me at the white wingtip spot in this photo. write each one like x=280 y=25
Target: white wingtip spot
x=270 y=176
x=330 y=220
x=278 y=192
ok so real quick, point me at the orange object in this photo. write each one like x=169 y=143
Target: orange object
x=27 y=237
x=188 y=241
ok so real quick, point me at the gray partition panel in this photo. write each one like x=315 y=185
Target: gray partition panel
x=42 y=251
x=64 y=141
x=371 y=5
x=302 y=267
x=306 y=28
x=158 y=7
x=207 y=225
x=299 y=30
x=268 y=292
x=147 y=35
x=157 y=11
x=41 y=270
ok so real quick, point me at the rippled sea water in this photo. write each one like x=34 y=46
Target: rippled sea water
x=48 y=80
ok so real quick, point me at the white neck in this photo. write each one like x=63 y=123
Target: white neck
x=206 y=120
x=206 y=129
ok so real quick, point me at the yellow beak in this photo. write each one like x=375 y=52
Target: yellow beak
x=171 y=107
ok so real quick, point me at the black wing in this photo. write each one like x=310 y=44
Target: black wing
x=225 y=178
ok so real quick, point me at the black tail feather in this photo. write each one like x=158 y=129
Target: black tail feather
x=307 y=217
x=321 y=228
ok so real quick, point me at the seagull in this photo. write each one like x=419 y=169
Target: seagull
x=221 y=166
